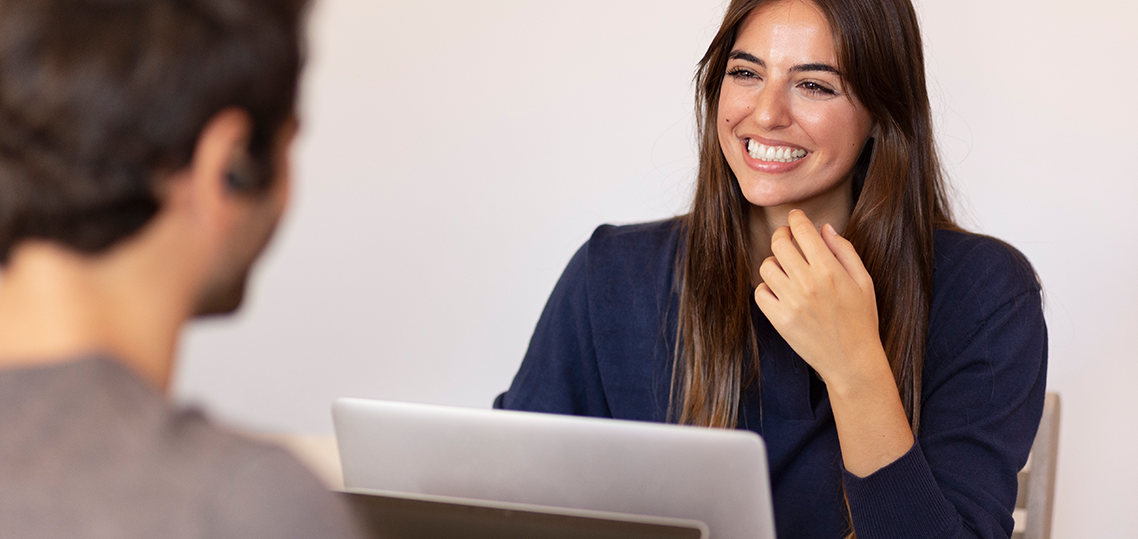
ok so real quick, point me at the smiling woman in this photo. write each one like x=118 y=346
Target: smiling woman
x=818 y=292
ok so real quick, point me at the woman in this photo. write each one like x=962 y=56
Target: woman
x=894 y=365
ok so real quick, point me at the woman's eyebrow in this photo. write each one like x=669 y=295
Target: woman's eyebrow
x=815 y=67
x=746 y=56
x=800 y=68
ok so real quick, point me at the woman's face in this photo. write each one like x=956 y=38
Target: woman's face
x=788 y=127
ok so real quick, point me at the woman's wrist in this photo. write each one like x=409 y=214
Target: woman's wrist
x=863 y=374
x=873 y=429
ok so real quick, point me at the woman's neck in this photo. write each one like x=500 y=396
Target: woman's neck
x=834 y=208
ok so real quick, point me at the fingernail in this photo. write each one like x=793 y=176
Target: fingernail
x=830 y=229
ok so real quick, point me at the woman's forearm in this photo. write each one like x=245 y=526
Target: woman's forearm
x=872 y=427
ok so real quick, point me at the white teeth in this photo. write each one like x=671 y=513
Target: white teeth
x=773 y=153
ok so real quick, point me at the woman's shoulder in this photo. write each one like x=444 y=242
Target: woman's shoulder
x=634 y=248
x=620 y=262
x=977 y=277
x=638 y=236
x=978 y=263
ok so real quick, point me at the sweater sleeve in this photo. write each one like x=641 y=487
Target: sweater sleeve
x=559 y=373
x=983 y=390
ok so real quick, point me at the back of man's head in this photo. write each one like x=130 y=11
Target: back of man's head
x=101 y=99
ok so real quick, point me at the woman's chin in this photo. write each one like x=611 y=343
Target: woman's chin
x=775 y=198
x=776 y=193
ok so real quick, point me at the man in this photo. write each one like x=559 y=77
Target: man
x=143 y=166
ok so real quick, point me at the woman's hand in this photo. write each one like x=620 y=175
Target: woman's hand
x=821 y=300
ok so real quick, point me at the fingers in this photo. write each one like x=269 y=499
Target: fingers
x=784 y=249
x=847 y=256
x=773 y=273
x=806 y=234
x=800 y=248
x=765 y=299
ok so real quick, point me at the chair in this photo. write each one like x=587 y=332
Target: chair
x=1037 y=479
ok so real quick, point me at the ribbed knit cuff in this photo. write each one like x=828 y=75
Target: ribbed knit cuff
x=901 y=500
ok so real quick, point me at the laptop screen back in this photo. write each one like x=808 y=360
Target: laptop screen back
x=710 y=475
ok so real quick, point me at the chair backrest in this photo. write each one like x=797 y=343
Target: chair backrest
x=1037 y=479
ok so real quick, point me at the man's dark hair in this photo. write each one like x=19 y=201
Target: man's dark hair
x=100 y=99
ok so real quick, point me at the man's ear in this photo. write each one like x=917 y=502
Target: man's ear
x=219 y=155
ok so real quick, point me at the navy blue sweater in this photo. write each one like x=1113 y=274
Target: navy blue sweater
x=605 y=342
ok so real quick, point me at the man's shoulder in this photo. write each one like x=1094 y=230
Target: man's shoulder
x=90 y=447
x=261 y=490
x=245 y=487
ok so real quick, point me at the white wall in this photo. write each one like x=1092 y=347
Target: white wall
x=456 y=153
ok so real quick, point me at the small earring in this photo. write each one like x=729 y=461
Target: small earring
x=241 y=176
x=238 y=181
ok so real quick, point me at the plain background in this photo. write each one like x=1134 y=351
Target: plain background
x=456 y=153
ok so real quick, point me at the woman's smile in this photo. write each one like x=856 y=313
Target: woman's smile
x=772 y=156
x=781 y=154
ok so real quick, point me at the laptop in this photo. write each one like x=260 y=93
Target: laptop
x=714 y=476
x=396 y=515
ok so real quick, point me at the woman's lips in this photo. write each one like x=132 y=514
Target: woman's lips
x=772 y=158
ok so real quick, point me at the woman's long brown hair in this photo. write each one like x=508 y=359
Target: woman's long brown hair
x=900 y=201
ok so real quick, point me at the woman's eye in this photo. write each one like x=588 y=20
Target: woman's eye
x=817 y=89
x=740 y=73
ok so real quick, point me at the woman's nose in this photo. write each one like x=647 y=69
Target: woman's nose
x=772 y=107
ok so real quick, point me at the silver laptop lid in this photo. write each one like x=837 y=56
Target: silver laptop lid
x=710 y=475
